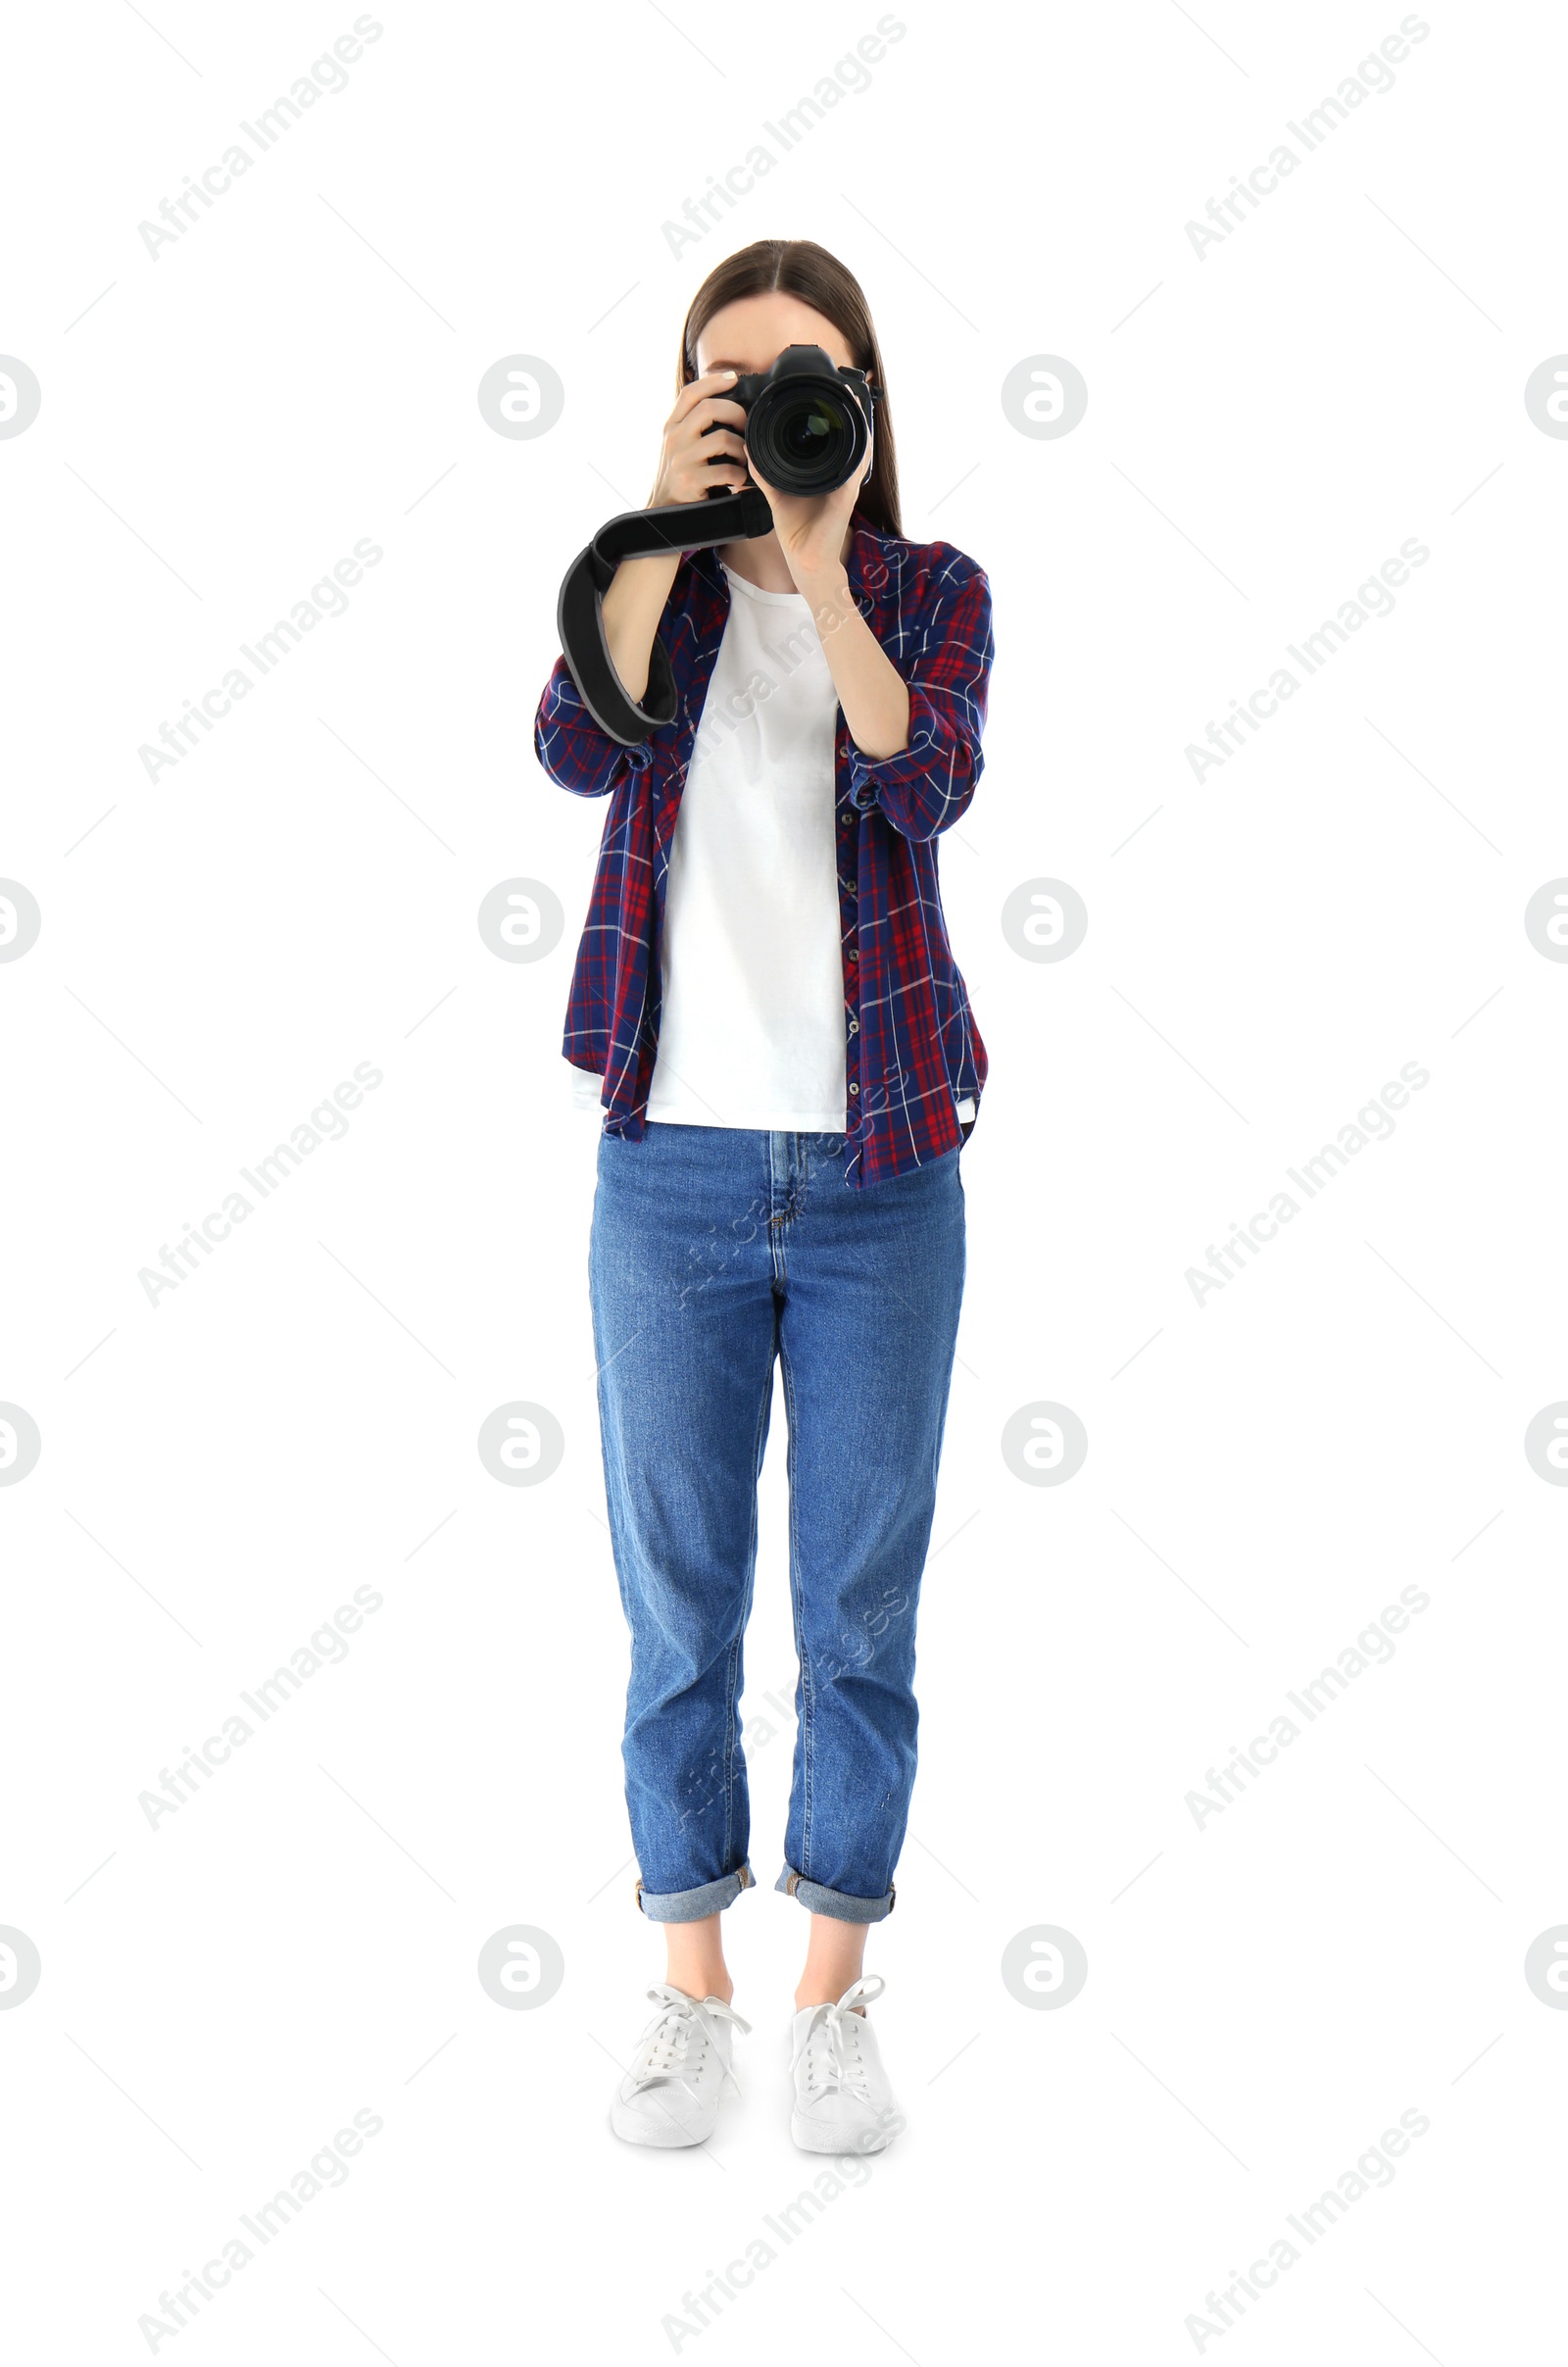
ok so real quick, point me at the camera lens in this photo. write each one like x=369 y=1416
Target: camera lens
x=804 y=433
x=804 y=440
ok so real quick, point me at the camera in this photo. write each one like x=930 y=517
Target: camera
x=808 y=430
x=807 y=423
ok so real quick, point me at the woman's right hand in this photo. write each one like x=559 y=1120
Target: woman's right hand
x=689 y=464
x=693 y=461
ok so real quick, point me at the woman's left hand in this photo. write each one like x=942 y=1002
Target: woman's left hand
x=872 y=693
x=811 y=529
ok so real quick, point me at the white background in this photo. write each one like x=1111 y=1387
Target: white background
x=219 y=947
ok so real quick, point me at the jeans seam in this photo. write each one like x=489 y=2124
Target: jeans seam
x=758 y=1439
x=729 y=1751
x=800 y=1630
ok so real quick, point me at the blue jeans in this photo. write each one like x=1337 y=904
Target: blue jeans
x=715 y=1250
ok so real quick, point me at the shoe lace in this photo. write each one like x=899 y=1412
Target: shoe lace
x=676 y=2042
x=834 y=2062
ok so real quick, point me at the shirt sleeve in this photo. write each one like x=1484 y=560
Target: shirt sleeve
x=925 y=788
x=574 y=752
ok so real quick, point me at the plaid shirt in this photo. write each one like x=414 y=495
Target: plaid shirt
x=913 y=1049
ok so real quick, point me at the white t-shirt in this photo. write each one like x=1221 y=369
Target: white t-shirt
x=754 y=1023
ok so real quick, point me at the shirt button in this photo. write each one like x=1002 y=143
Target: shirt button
x=855 y=952
x=854 y=1088
x=855 y=1027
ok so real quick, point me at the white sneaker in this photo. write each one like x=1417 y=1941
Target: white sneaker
x=670 y=2095
x=843 y=2104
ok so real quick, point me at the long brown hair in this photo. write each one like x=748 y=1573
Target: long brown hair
x=797 y=267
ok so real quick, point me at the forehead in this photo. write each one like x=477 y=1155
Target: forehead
x=754 y=330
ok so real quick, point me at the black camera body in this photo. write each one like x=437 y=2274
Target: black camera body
x=807 y=421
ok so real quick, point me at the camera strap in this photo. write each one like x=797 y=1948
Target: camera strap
x=580 y=611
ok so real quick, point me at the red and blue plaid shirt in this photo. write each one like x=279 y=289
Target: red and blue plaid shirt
x=913 y=1049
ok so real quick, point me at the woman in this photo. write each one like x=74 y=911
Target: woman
x=790 y=1067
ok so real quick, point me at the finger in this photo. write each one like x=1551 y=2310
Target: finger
x=713 y=408
x=712 y=382
x=722 y=439
x=806 y=505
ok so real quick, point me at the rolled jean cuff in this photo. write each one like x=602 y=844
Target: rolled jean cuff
x=817 y=1900
x=690 y=1906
